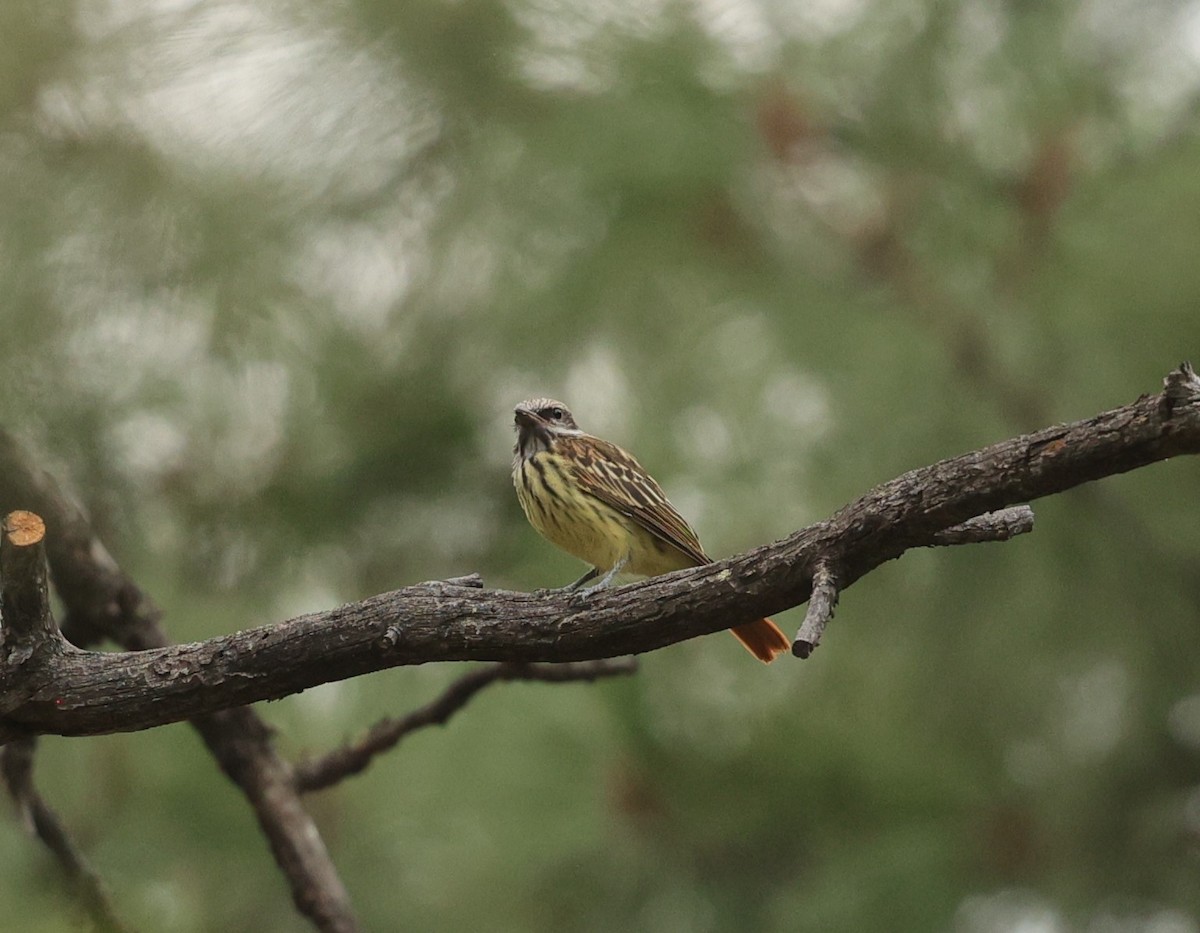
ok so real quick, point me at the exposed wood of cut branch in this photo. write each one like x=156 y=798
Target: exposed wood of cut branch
x=25 y=597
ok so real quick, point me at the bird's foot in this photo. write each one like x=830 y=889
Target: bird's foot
x=576 y=595
x=579 y=598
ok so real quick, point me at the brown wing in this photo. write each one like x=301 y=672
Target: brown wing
x=614 y=477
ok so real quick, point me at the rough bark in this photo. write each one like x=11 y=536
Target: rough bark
x=103 y=603
x=80 y=693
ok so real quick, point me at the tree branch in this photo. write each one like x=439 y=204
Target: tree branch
x=821 y=602
x=353 y=757
x=102 y=603
x=993 y=526
x=28 y=626
x=16 y=766
x=28 y=633
x=92 y=693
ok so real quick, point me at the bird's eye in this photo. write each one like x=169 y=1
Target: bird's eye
x=557 y=414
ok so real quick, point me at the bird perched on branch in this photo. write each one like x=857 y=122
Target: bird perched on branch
x=596 y=502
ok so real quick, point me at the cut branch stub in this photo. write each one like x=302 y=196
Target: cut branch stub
x=24 y=592
x=24 y=529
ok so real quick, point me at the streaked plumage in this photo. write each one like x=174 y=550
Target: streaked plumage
x=596 y=502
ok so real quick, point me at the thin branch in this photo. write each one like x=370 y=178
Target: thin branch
x=241 y=743
x=16 y=766
x=92 y=693
x=353 y=757
x=102 y=602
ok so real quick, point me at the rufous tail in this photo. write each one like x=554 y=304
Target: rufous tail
x=763 y=639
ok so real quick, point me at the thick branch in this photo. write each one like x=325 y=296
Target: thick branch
x=445 y=622
x=104 y=603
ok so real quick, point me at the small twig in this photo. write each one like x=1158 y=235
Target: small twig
x=472 y=580
x=820 y=610
x=1180 y=386
x=40 y=820
x=990 y=526
x=352 y=758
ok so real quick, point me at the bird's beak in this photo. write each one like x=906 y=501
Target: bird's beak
x=533 y=432
x=527 y=420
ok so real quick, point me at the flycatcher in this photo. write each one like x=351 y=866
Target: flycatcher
x=595 y=501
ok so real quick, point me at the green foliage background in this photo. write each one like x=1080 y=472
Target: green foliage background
x=275 y=272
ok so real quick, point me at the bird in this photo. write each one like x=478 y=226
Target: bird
x=595 y=501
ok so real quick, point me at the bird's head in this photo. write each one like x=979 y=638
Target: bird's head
x=539 y=421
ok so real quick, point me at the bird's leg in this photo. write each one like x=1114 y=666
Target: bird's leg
x=608 y=577
x=590 y=575
x=572 y=587
x=579 y=597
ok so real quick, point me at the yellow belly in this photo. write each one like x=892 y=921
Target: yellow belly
x=584 y=526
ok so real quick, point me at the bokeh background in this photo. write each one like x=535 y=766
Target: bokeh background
x=274 y=273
